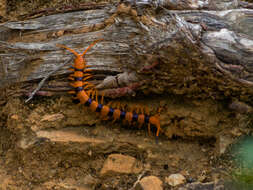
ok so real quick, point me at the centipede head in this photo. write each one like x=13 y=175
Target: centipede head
x=79 y=62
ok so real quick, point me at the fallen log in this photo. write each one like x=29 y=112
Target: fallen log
x=196 y=48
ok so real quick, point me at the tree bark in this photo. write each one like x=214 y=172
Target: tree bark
x=196 y=48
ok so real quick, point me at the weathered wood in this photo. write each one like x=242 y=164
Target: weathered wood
x=186 y=50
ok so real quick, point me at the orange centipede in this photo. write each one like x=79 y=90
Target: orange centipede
x=82 y=90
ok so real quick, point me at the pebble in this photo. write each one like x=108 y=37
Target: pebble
x=149 y=183
x=175 y=179
x=222 y=144
x=118 y=163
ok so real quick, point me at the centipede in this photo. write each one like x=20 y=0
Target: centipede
x=86 y=94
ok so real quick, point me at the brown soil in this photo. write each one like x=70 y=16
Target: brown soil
x=53 y=143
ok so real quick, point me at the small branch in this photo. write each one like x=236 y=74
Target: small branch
x=138 y=180
x=45 y=78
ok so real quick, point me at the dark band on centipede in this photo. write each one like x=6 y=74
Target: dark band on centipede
x=78 y=78
x=88 y=103
x=135 y=117
x=99 y=108
x=79 y=89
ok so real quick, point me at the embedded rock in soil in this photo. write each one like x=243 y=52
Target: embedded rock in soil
x=61 y=136
x=117 y=163
x=198 y=186
x=175 y=179
x=67 y=136
x=222 y=144
x=149 y=183
x=52 y=117
x=67 y=184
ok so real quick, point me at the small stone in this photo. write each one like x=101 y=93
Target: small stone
x=149 y=183
x=15 y=117
x=240 y=107
x=117 y=163
x=60 y=33
x=175 y=179
x=222 y=144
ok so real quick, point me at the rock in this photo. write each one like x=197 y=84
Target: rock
x=222 y=144
x=149 y=183
x=66 y=136
x=52 y=117
x=175 y=179
x=240 y=107
x=198 y=186
x=117 y=163
x=68 y=184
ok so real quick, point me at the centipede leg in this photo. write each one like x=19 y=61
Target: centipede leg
x=102 y=98
x=87 y=74
x=86 y=78
x=71 y=92
x=141 y=110
x=71 y=78
x=140 y=125
x=87 y=70
x=88 y=86
x=131 y=109
x=149 y=130
x=146 y=110
x=92 y=94
x=73 y=84
x=96 y=95
x=88 y=92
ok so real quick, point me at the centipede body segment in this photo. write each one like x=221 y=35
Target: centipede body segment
x=85 y=91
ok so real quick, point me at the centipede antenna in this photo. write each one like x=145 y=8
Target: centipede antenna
x=69 y=49
x=90 y=46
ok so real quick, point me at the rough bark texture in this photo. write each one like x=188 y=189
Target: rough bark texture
x=193 y=49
